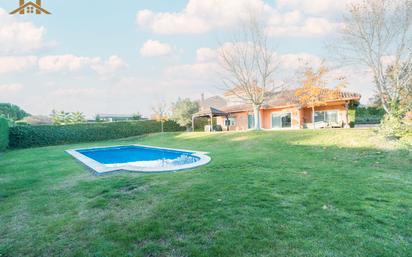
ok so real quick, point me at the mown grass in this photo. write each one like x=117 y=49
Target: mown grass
x=289 y=193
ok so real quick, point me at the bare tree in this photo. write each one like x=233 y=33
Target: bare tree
x=160 y=111
x=378 y=34
x=249 y=66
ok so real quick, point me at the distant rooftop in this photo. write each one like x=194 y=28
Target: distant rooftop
x=214 y=101
x=114 y=115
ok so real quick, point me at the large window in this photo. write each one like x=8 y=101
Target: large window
x=326 y=116
x=281 y=120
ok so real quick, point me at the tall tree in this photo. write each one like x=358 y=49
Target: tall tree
x=183 y=110
x=57 y=117
x=249 y=65
x=314 y=92
x=97 y=118
x=64 y=118
x=12 y=112
x=137 y=116
x=378 y=34
x=77 y=117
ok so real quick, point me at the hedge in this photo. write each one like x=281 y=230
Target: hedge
x=4 y=134
x=365 y=115
x=45 y=135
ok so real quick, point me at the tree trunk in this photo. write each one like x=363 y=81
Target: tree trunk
x=161 y=126
x=256 y=114
x=313 y=117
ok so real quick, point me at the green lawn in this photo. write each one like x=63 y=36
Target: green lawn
x=289 y=193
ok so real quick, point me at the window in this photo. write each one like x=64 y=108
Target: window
x=30 y=9
x=281 y=120
x=230 y=122
x=319 y=116
x=326 y=116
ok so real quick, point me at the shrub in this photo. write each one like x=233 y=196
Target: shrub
x=366 y=115
x=352 y=117
x=4 y=134
x=394 y=127
x=200 y=123
x=34 y=136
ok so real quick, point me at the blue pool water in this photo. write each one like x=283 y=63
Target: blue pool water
x=138 y=155
x=138 y=158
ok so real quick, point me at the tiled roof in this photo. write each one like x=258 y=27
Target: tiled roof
x=209 y=111
x=284 y=98
x=237 y=108
x=288 y=98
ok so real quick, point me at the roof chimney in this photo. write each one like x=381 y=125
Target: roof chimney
x=38 y=2
x=21 y=4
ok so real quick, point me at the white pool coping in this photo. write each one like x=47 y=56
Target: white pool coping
x=100 y=168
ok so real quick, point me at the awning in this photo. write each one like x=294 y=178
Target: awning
x=210 y=112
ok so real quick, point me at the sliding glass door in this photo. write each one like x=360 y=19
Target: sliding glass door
x=250 y=121
x=281 y=120
x=326 y=116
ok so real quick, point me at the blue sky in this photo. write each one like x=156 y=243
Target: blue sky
x=110 y=57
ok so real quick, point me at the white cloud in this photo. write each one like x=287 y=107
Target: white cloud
x=18 y=36
x=113 y=64
x=68 y=62
x=207 y=67
x=168 y=23
x=205 y=54
x=313 y=6
x=199 y=16
x=296 y=61
x=196 y=71
x=16 y=63
x=61 y=63
x=301 y=27
x=155 y=48
x=78 y=92
x=10 y=88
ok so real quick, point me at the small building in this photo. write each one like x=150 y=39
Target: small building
x=114 y=117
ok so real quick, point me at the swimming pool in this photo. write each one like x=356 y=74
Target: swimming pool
x=139 y=158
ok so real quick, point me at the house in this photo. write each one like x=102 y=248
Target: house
x=30 y=8
x=282 y=110
x=115 y=117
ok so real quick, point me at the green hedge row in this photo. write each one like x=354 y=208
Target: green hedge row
x=34 y=136
x=365 y=115
x=4 y=134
